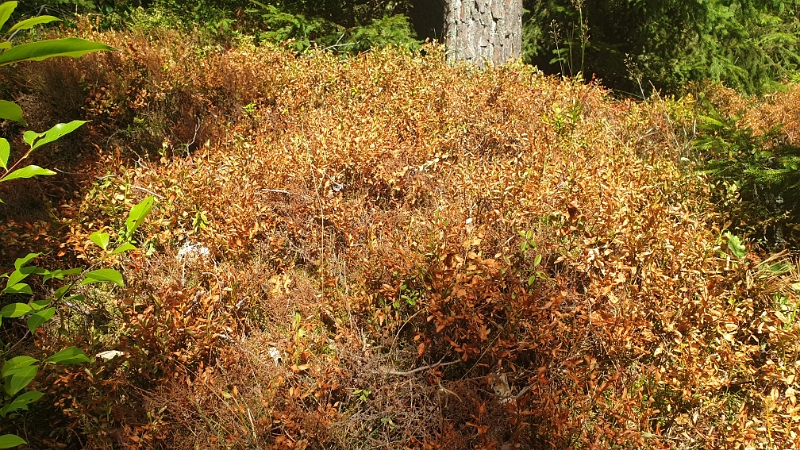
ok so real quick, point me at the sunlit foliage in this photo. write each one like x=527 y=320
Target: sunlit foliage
x=326 y=231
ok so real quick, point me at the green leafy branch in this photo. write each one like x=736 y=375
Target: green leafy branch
x=529 y=243
x=34 y=51
x=18 y=372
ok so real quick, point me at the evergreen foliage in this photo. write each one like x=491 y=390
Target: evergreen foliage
x=341 y=25
x=754 y=176
x=747 y=44
x=631 y=45
x=307 y=24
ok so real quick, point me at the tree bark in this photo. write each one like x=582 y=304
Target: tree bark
x=483 y=31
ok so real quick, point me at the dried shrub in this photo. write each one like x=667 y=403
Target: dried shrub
x=366 y=217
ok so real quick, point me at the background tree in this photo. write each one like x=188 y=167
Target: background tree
x=483 y=30
x=629 y=44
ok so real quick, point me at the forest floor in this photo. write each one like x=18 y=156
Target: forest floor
x=385 y=251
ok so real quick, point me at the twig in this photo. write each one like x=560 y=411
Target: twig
x=72 y=173
x=641 y=89
x=337 y=44
x=194 y=138
x=522 y=392
x=17 y=343
x=252 y=427
x=277 y=191
x=346 y=44
x=448 y=391
x=482 y=354
x=420 y=369
x=148 y=191
x=394 y=341
x=14 y=34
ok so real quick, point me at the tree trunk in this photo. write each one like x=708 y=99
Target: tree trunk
x=483 y=31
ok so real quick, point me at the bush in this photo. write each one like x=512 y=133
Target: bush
x=306 y=31
x=755 y=173
x=339 y=226
x=750 y=45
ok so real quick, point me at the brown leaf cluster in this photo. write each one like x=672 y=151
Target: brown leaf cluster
x=530 y=243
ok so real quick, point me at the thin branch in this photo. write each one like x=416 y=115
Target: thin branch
x=277 y=191
x=346 y=44
x=85 y=174
x=399 y=330
x=148 y=191
x=27 y=332
x=194 y=139
x=420 y=369
x=13 y=35
x=522 y=392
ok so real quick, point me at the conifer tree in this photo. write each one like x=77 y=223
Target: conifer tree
x=629 y=44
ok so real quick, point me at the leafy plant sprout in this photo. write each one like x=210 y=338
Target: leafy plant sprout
x=19 y=371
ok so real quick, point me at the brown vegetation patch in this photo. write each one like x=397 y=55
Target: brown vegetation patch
x=334 y=224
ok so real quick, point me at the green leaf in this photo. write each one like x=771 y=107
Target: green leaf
x=537 y=260
x=32 y=22
x=100 y=238
x=36 y=140
x=779 y=268
x=11 y=111
x=138 y=214
x=16 y=363
x=20 y=378
x=21 y=262
x=23 y=272
x=60 y=274
x=27 y=172
x=29 y=136
x=19 y=275
x=19 y=288
x=62 y=291
x=11 y=440
x=70 y=355
x=711 y=121
x=124 y=248
x=75 y=298
x=735 y=245
x=36 y=320
x=5 y=152
x=5 y=12
x=38 y=305
x=38 y=51
x=103 y=276
x=15 y=310
x=21 y=402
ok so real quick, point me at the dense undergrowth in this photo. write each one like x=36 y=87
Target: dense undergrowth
x=328 y=230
